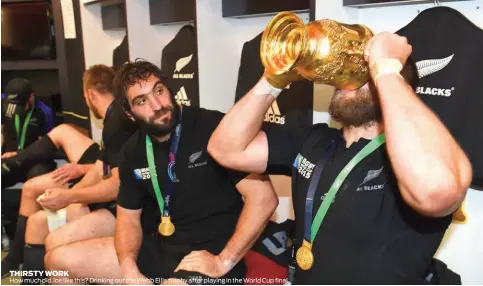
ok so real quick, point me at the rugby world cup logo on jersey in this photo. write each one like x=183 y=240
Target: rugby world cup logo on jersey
x=180 y=64
x=182 y=98
x=273 y=115
x=428 y=67
x=303 y=166
x=142 y=174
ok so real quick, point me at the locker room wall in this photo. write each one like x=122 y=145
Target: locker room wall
x=462 y=247
x=98 y=47
x=147 y=41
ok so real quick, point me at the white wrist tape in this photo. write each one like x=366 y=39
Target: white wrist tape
x=385 y=67
x=55 y=219
x=263 y=87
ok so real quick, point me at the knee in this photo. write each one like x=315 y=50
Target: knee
x=31 y=189
x=59 y=259
x=36 y=220
x=61 y=130
x=75 y=211
x=51 y=242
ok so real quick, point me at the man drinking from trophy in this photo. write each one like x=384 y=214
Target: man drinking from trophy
x=373 y=200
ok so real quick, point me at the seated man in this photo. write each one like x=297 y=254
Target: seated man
x=22 y=124
x=372 y=201
x=91 y=192
x=35 y=159
x=81 y=151
x=205 y=228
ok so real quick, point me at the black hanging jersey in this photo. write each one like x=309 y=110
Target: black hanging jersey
x=179 y=61
x=448 y=49
x=299 y=95
x=120 y=55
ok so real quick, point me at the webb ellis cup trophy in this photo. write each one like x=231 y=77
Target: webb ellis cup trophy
x=323 y=51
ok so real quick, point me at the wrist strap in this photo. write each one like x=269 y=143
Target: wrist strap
x=384 y=67
x=263 y=87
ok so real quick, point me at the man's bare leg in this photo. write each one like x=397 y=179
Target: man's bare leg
x=77 y=258
x=100 y=223
x=31 y=190
x=37 y=226
x=72 y=141
x=37 y=231
x=35 y=187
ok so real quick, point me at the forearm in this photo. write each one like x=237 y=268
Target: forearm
x=93 y=176
x=254 y=217
x=86 y=167
x=127 y=241
x=104 y=191
x=429 y=165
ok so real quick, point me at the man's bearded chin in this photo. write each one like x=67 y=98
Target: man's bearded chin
x=166 y=127
x=361 y=109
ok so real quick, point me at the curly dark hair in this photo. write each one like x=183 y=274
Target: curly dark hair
x=132 y=73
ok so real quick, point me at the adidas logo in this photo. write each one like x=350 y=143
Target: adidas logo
x=180 y=64
x=428 y=67
x=182 y=98
x=273 y=115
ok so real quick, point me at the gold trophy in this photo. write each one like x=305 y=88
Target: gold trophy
x=323 y=51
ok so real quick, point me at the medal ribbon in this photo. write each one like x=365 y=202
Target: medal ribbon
x=309 y=202
x=21 y=139
x=339 y=180
x=164 y=203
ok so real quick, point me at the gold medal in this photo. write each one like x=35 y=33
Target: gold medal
x=166 y=227
x=304 y=256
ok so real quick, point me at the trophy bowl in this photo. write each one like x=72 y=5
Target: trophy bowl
x=323 y=51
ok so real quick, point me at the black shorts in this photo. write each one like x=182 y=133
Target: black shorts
x=91 y=155
x=110 y=206
x=158 y=260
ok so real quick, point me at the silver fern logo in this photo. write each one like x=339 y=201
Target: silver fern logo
x=371 y=175
x=428 y=67
x=180 y=64
x=193 y=158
